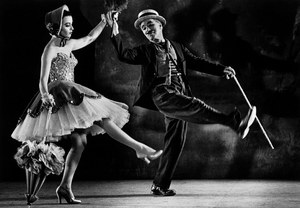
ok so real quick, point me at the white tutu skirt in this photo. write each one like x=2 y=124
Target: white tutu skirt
x=76 y=107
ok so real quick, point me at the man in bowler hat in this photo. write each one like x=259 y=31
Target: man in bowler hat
x=163 y=86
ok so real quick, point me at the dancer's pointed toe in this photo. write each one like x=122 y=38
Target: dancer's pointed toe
x=156 y=155
x=149 y=156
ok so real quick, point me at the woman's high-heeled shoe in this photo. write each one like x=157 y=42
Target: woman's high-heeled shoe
x=151 y=156
x=67 y=194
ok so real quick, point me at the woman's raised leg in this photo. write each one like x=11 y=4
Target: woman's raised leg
x=143 y=151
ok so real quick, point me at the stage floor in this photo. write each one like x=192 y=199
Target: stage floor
x=136 y=193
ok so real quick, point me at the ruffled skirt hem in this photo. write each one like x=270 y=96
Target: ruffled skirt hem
x=70 y=117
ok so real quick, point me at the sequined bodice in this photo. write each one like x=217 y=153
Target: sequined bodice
x=62 y=67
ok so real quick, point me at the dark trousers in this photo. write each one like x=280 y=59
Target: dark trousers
x=174 y=102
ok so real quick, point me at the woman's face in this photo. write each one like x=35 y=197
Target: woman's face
x=67 y=27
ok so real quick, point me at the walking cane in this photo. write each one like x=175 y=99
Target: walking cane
x=250 y=106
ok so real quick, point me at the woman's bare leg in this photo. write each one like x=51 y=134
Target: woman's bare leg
x=143 y=151
x=78 y=143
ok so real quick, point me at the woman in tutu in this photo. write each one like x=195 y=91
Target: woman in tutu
x=76 y=110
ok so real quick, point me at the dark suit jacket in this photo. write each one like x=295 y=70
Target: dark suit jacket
x=145 y=55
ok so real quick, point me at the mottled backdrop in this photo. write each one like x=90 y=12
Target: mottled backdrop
x=253 y=36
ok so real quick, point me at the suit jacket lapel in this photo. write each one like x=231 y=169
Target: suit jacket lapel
x=178 y=50
x=179 y=53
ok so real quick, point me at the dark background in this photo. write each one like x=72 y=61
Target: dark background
x=253 y=36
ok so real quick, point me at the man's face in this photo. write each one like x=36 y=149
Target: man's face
x=152 y=29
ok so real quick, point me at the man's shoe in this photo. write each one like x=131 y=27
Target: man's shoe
x=245 y=124
x=156 y=190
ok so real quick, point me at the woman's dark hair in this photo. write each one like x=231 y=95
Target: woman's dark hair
x=67 y=13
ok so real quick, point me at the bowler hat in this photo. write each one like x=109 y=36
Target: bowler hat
x=53 y=20
x=148 y=14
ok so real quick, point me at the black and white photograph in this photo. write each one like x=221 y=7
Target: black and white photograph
x=150 y=103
